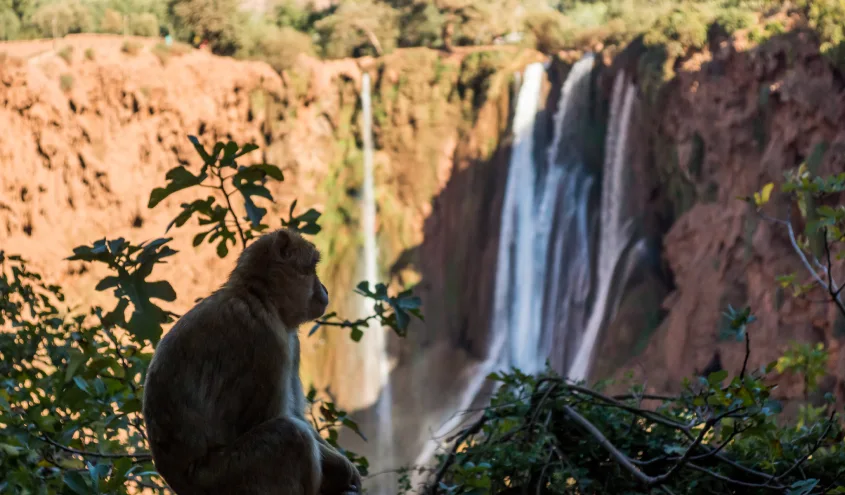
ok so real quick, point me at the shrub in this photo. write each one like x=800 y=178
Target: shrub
x=162 y=52
x=547 y=30
x=70 y=17
x=66 y=82
x=144 y=25
x=681 y=29
x=289 y=13
x=132 y=47
x=66 y=54
x=733 y=19
x=218 y=21
x=90 y=54
x=358 y=28
x=421 y=24
x=279 y=47
x=112 y=22
x=827 y=18
x=10 y=24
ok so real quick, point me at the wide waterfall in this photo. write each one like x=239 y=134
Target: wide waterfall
x=376 y=386
x=564 y=246
x=543 y=272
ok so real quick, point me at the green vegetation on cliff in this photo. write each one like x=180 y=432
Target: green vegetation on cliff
x=357 y=28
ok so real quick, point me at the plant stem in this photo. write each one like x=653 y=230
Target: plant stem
x=231 y=210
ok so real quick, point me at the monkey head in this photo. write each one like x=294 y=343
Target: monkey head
x=281 y=268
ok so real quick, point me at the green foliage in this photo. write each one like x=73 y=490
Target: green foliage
x=679 y=30
x=66 y=54
x=805 y=359
x=90 y=54
x=279 y=47
x=144 y=24
x=217 y=21
x=62 y=18
x=358 y=28
x=131 y=47
x=718 y=435
x=10 y=24
x=112 y=22
x=66 y=82
x=291 y=14
x=827 y=18
x=733 y=19
x=421 y=24
x=71 y=380
x=548 y=30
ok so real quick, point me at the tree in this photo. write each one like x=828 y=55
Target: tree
x=358 y=28
x=217 y=21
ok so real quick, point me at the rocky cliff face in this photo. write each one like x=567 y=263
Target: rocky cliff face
x=732 y=120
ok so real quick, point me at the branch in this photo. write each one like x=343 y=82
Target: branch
x=464 y=435
x=231 y=210
x=140 y=457
x=620 y=457
x=812 y=450
x=371 y=37
x=747 y=355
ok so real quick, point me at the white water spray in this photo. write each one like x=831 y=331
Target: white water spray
x=615 y=231
x=544 y=202
x=375 y=338
x=527 y=104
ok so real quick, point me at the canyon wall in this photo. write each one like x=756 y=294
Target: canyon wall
x=734 y=118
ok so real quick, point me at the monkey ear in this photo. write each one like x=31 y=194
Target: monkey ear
x=282 y=243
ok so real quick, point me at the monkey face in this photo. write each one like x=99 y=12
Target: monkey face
x=319 y=299
x=281 y=267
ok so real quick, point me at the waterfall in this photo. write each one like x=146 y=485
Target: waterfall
x=542 y=274
x=375 y=338
x=564 y=247
x=527 y=105
x=615 y=231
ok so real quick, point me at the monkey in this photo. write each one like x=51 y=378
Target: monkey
x=223 y=403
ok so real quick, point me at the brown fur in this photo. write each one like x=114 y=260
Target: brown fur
x=223 y=401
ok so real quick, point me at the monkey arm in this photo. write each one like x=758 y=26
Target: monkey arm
x=339 y=474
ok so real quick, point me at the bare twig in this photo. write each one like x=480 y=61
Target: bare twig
x=747 y=355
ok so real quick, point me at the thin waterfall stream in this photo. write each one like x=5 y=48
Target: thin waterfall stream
x=375 y=338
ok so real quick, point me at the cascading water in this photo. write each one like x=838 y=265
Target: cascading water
x=542 y=277
x=374 y=339
x=615 y=231
x=558 y=278
x=527 y=104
